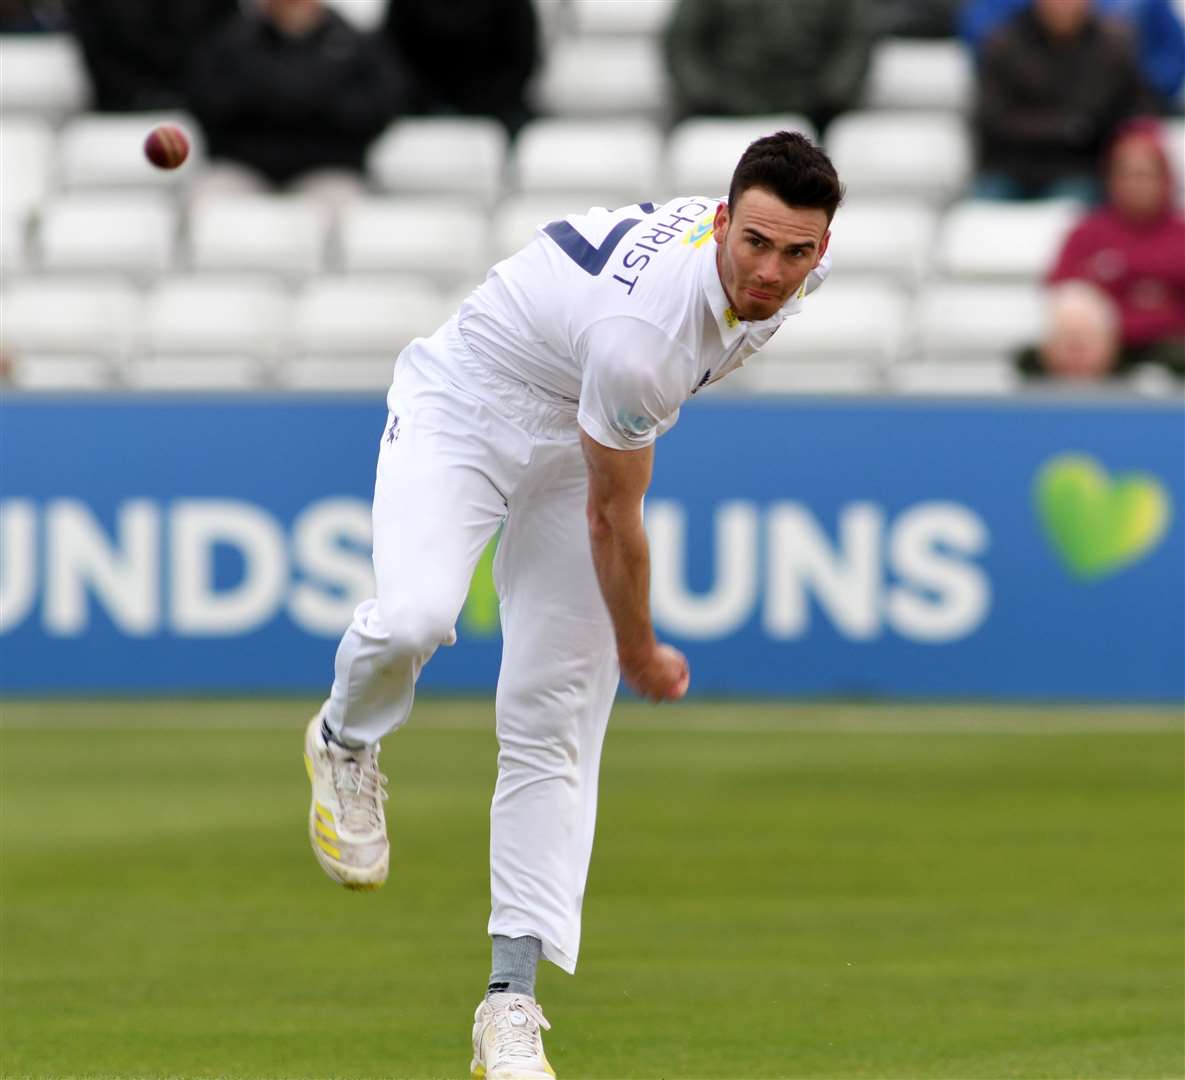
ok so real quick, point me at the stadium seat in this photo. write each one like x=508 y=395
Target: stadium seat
x=87 y=317
x=895 y=239
x=621 y=160
x=130 y=234
x=282 y=234
x=604 y=77
x=440 y=239
x=98 y=150
x=367 y=317
x=984 y=239
x=908 y=73
x=975 y=378
x=42 y=75
x=230 y=317
x=441 y=156
x=765 y=375
x=13 y=246
x=847 y=319
x=363 y=14
x=621 y=17
x=351 y=374
x=1176 y=147
x=68 y=374
x=909 y=155
x=518 y=219
x=26 y=164
x=703 y=152
x=195 y=373
x=964 y=321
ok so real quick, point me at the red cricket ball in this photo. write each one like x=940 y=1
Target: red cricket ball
x=167 y=146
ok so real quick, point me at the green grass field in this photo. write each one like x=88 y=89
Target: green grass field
x=776 y=891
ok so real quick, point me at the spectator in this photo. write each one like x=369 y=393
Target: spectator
x=289 y=91
x=738 y=57
x=1054 y=83
x=1081 y=342
x=473 y=57
x=32 y=16
x=1157 y=28
x=920 y=18
x=1133 y=249
x=136 y=51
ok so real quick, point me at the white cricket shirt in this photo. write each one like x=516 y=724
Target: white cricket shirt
x=618 y=315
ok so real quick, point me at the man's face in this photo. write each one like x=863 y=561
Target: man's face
x=293 y=17
x=1081 y=343
x=1136 y=179
x=765 y=249
x=1063 y=18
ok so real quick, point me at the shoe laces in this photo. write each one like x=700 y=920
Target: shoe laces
x=518 y=1039
x=361 y=789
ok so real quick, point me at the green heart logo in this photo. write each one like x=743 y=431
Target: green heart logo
x=1096 y=524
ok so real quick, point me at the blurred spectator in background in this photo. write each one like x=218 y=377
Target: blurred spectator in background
x=289 y=91
x=1160 y=37
x=738 y=57
x=136 y=51
x=1054 y=83
x=32 y=16
x=919 y=18
x=1133 y=249
x=1081 y=341
x=473 y=57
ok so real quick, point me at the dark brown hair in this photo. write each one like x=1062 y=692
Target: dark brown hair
x=791 y=167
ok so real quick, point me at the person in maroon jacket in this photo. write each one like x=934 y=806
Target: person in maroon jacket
x=1133 y=248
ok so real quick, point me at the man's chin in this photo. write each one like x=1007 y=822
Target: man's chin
x=758 y=311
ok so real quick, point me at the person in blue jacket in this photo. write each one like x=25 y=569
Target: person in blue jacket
x=1158 y=30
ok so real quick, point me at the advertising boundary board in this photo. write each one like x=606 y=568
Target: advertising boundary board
x=1011 y=549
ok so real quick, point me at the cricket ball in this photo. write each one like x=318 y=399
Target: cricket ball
x=167 y=146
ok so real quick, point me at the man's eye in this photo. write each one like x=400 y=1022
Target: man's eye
x=754 y=242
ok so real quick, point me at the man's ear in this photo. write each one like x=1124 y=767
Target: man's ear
x=720 y=225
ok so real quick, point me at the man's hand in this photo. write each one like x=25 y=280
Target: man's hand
x=661 y=675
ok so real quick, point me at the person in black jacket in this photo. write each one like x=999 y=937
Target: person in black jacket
x=473 y=57
x=289 y=89
x=136 y=51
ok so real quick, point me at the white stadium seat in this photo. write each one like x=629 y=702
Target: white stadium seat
x=42 y=74
x=130 y=234
x=351 y=374
x=768 y=376
x=283 y=234
x=67 y=374
x=856 y=319
x=98 y=150
x=909 y=155
x=962 y=321
x=703 y=152
x=368 y=317
x=85 y=317
x=441 y=156
x=621 y=17
x=231 y=316
x=895 y=239
x=26 y=164
x=363 y=14
x=987 y=239
x=908 y=73
x=194 y=373
x=604 y=77
x=519 y=218
x=972 y=379
x=443 y=240
x=621 y=159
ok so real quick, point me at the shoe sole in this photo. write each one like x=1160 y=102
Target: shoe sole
x=478 y=1072
x=354 y=878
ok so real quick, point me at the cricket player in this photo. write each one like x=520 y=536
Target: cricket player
x=536 y=408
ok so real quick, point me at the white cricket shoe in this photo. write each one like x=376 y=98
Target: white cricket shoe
x=346 y=824
x=507 y=1043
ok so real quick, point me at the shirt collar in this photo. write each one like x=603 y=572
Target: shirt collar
x=731 y=327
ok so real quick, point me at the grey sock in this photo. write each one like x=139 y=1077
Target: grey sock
x=515 y=961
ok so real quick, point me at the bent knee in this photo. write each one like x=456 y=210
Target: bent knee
x=416 y=629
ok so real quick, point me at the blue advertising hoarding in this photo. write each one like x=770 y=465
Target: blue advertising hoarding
x=1029 y=549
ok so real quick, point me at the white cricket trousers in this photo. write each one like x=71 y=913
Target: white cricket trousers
x=463 y=453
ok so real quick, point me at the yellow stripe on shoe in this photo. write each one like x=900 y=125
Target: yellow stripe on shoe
x=324 y=830
x=324 y=813
x=328 y=848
